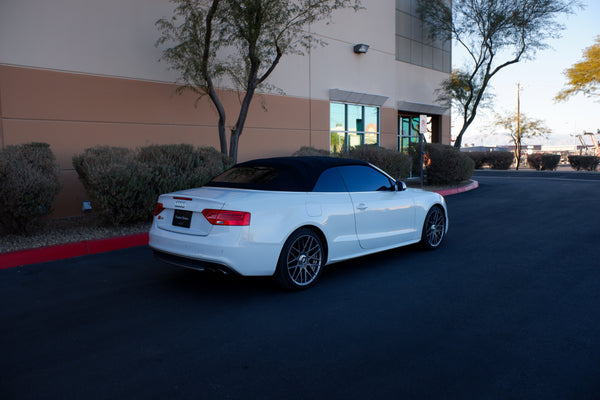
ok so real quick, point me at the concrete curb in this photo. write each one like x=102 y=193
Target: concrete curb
x=68 y=250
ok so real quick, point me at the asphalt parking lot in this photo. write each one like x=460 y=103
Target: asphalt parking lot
x=508 y=308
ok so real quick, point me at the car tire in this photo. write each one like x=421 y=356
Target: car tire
x=301 y=261
x=434 y=228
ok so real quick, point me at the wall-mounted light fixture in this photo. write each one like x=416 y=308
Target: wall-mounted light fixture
x=361 y=48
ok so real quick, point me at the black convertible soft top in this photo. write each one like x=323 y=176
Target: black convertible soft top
x=293 y=174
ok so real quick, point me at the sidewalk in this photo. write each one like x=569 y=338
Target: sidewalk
x=69 y=250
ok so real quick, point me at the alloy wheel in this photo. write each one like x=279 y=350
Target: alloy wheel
x=304 y=259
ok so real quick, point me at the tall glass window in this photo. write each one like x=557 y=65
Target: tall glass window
x=352 y=125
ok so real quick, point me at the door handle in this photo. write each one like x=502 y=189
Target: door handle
x=362 y=206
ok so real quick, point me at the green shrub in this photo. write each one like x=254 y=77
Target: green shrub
x=124 y=184
x=28 y=185
x=479 y=158
x=311 y=152
x=445 y=165
x=414 y=151
x=587 y=163
x=396 y=164
x=118 y=184
x=492 y=159
x=500 y=159
x=543 y=162
x=87 y=164
x=181 y=166
x=534 y=161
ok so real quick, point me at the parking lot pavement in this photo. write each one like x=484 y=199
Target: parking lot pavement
x=507 y=308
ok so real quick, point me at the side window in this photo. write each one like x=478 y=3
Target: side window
x=330 y=181
x=361 y=178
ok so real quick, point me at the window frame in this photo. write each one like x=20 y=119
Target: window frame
x=345 y=134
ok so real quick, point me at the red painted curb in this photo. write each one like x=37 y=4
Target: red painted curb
x=68 y=250
x=116 y=243
x=449 y=192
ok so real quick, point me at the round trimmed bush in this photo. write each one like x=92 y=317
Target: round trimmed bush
x=124 y=184
x=446 y=165
x=28 y=185
x=396 y=164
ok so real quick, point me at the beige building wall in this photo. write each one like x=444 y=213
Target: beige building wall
x=81 y=73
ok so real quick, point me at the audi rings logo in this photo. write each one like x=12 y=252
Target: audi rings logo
x=179 y=203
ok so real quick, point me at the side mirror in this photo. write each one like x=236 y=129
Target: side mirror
x=400 y=186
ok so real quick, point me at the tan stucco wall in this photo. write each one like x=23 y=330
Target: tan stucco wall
x=72 y=112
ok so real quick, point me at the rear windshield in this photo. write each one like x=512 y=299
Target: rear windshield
x=257 y=178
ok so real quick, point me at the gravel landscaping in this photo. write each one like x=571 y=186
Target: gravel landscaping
x=51 y=232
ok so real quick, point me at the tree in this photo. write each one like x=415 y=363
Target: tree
x=521 y=127
x=584 y=76
x=494 y=34
x=457 y=90
x=239 y=40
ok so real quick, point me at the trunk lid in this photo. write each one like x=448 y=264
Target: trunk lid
x=183 y=210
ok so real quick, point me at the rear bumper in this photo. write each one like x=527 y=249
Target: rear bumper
x=225 y=249
x=191 y=263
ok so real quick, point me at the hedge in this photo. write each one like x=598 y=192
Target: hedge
x=123 y=184
x=478 y=157
x=492 y=159
x=446 y=165
x=181 y=166
x=543 y=161
x=28 y=185
x=307 y=151
x=396 y=164
x=587 y=163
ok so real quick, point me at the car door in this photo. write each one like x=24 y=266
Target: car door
x=383 y=216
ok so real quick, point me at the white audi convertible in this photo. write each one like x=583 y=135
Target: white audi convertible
x=288 y=217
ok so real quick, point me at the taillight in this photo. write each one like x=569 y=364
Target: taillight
x=159 y=208
x=226 y=217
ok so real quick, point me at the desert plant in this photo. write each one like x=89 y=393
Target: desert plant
x=123 y=184
x=311 y=152
x=396 y=164
x=28 y=185
x=118 y=184
x=500 y=159
x=446 y=165
x=479 y=158
x=543 y=161
x=587 y=163
x=492 y=159
x=181 y=166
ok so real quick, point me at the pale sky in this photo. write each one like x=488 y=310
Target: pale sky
x=541 y=79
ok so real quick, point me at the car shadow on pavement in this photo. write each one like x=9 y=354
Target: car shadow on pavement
x=185 y=280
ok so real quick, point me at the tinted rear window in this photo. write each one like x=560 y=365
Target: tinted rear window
x=256 y=178
x=248 y=175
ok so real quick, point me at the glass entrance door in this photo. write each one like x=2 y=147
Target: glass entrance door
x=408 y=132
